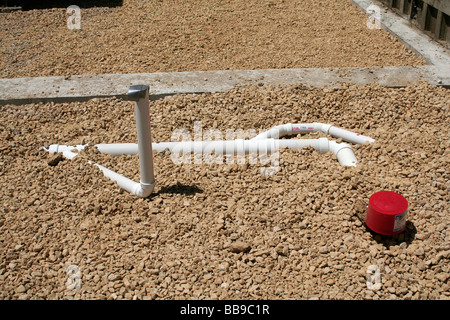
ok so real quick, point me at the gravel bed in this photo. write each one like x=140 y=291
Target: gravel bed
x=190 y=35
x=225 y=231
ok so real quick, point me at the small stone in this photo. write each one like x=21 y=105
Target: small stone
x=419 y=252
x=324 y=250
x=37 y=247
x=302 y=225
x=442 y=254
x=239 y=246
x=348 y=238
x=113 y=277
x=154 y=271
x=421 y=266
x=54 y=160
x=443 y=276
x=21 y=289
x=282 y=250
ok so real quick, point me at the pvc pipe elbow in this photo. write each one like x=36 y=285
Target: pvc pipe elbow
x=333 y=131
x=346 y=157
x=285 y=129
x=344 y=154
x=275 y=132
x=143 y=190
x=324 y=127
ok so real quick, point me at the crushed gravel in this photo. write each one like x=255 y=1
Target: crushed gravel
x=191 y=35
x=225 y=231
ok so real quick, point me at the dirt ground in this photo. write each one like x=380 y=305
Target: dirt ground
x=219 y=231
x=189 y=35
x=224 y=231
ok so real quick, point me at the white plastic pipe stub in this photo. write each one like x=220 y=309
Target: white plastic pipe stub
x=140 y=95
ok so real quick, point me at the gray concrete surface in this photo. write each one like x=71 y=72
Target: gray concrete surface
x=27 y=90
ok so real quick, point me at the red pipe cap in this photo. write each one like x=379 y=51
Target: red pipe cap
x=386 y=213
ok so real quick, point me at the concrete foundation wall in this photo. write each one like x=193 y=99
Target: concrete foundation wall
x=432 y=16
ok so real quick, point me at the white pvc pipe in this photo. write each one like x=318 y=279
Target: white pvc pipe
x=129 y=185
x=233 y=146
x=343 y=152
x=139 y=93
x=123 y=182
x=348 y=135
x=117 y=149
x=265 y=143
x=57 y=148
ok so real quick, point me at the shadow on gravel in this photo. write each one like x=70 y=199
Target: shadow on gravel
x=179 y=189
x=406 y=236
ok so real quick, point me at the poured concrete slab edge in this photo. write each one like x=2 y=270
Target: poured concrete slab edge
x=41 y=89
x=84 y=87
